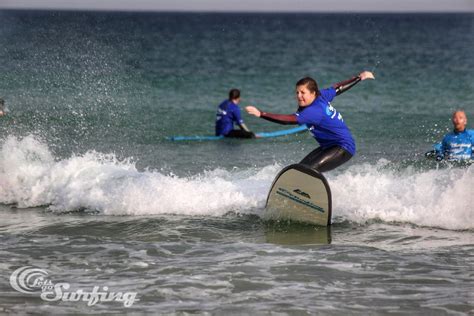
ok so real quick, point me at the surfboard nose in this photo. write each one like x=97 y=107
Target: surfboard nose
x=299 y=194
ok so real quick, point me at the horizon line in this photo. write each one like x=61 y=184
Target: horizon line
x=138 y=10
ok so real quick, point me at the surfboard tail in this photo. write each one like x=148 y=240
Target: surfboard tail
x=300 y=194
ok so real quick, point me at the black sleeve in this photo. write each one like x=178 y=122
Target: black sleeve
x=343 y=86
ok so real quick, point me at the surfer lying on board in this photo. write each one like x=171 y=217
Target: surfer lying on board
x=337 y=145
x=457 y=145
x=228 y=112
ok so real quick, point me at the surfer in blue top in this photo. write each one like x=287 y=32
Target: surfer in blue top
x=228 y=113
x=337 y=145
x=457 y=145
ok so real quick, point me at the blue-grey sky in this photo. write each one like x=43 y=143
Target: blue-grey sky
x=248 y=5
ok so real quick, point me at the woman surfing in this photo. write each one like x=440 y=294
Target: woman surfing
x=337 y=145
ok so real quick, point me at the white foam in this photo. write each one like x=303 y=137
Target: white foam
x=30 y=176
x=437 y=198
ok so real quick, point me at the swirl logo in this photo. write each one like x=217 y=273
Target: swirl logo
x=328 y=111
x=28 y=279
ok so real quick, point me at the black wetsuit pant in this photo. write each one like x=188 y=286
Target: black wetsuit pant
x=327 y=159
x=240 y=133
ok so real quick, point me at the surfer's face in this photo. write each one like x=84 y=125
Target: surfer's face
x=304 y=96
x=459 y=121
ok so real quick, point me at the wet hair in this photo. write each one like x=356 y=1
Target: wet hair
x=2 y=104
x=310 y=83
x=234 y=94
x=458 y=110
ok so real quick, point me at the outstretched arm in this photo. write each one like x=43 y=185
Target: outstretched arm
x=343 y=86
x=284 y=119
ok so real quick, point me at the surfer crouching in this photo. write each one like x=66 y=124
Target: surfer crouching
x=228 y=112
x=325 y=123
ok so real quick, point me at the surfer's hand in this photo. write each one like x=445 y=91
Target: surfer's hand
x=253 y=110
x=366 y=75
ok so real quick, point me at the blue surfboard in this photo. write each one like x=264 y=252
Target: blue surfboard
x=258 y=135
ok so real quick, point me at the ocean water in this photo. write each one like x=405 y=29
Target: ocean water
x=93 y=194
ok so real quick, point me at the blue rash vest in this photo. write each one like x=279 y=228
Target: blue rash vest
x=227 y=113
x=326 y=123
x=456 y=146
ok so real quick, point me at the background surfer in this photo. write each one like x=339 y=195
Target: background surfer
x=337 y=145
x=2 y=107
x=228 y=112
x=458 y=144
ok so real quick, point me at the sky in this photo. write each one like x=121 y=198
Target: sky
x=248 y=5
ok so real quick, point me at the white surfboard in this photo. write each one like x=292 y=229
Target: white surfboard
x=299 y=194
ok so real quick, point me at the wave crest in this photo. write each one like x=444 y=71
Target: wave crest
x=30 y=176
